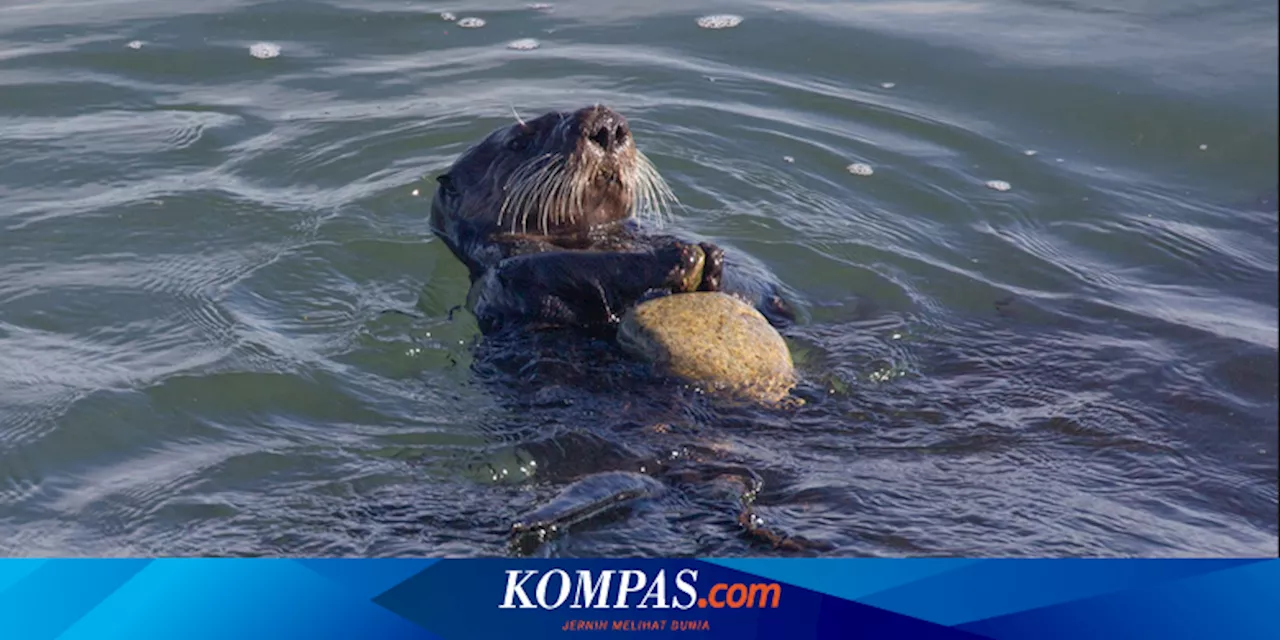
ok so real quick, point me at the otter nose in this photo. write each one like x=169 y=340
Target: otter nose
x=604 y=127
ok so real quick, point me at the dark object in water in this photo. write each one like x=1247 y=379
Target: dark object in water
x=544 y=215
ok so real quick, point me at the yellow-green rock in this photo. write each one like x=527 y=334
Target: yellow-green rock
x=713 y=340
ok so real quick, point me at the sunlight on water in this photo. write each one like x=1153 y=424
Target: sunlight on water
x=226 y=327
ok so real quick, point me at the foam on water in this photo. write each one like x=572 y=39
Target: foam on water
x=523 y=44
x=264 y=50
x=720 y=21
x=226 y=327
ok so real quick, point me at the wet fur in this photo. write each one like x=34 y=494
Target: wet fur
x=549 y=222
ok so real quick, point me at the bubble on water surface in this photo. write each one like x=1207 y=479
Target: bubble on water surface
x=264 y=50
x=447 y=17
x=136 y=44
x=724 y=21
x=1030 y=152
x=860 y=169
x=471 y=23
x=888 y=85
x=999 y=185
x=523 y=44
x=1204 y=147
x=788 y=159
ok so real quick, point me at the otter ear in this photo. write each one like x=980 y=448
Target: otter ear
x=445 y=182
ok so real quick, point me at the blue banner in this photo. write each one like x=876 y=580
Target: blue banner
x=243 y=599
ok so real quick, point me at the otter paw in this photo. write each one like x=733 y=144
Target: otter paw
x=686 y=274
x=712 y=267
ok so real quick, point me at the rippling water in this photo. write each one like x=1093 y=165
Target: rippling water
x=198 y=245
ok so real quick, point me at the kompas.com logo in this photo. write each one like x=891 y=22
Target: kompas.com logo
x=586 y=589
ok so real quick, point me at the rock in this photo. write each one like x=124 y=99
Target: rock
x=713 y=340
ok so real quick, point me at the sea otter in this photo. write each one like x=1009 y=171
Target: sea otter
x=547 y=216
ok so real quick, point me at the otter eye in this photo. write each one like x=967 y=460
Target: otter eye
x=520 y=142
x=446 y=183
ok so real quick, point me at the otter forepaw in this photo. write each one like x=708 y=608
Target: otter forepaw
x=686 y=272
x=712 y=267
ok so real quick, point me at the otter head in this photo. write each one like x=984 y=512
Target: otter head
x=562 y=174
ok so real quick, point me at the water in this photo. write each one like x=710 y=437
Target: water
x=198 y=245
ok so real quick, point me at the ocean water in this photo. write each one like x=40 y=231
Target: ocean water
x=1043 y=324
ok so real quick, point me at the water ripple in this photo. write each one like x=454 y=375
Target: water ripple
x=197 y=248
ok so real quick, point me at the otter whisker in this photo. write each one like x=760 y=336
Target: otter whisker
x=560 y=199
x=582 y=180
x=654 y=195
x=646 y=198
x=541 y=195
x=666 y=198
x=520 y=178
x=513 y=195
x=573 y=196
x=641 y=195
x=557 y=189
x=528 y=179
x=536 y=194
x=542 y=217
x=665 y=195
x=560 y=205
x=529 y=201
x=545 y=195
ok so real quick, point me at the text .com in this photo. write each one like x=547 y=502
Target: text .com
x=630 y=589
